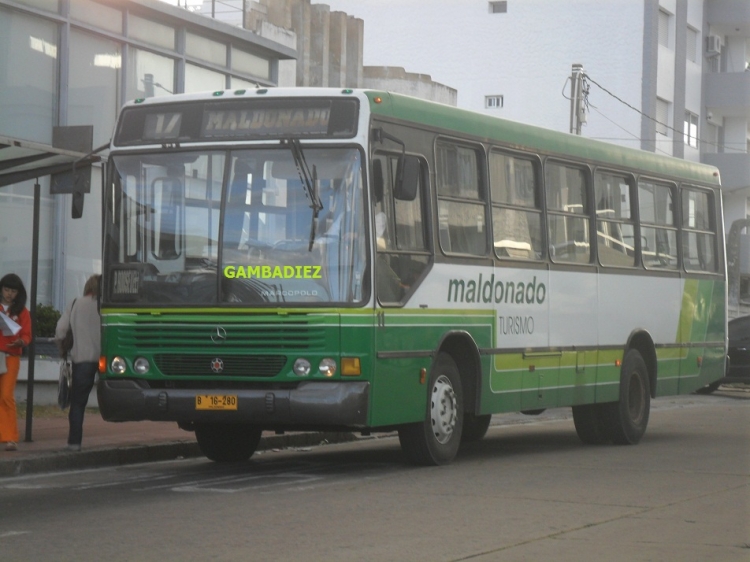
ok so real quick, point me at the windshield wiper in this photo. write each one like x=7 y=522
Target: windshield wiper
x=309 y=182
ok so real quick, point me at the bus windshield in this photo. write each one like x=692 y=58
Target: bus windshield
x=247 y=226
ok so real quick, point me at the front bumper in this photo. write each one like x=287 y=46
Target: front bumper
x=310 y=404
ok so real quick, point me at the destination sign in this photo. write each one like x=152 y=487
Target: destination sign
x=249 y=119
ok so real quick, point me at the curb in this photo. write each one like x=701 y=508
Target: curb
x=56 y=461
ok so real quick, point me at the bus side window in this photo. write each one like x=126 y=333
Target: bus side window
x=567 y=213
x=615 y=229
x=461 y=200
x=698 y=230
x=658 y=228
x=516 y=207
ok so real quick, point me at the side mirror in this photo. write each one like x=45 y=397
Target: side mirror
x=407 y=178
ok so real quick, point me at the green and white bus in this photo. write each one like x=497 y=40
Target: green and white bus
x=361 y=261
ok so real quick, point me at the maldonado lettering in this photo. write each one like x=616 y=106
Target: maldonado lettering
x=490 y=290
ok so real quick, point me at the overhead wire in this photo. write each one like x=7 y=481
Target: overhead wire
x=586 y=77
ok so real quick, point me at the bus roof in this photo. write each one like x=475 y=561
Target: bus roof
x=523 y=136
x=480 y=126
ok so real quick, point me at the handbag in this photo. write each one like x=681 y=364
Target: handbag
x=66 y=344
x=64 y=384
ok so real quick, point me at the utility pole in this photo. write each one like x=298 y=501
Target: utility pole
x=577 y=93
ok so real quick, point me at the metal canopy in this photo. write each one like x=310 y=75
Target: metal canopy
x=22 y=160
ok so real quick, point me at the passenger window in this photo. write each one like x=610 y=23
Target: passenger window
x=516 y=207
x=658 y=230
x=615 y=229
x=567 y=213
x=698 y=231
x=461 y=202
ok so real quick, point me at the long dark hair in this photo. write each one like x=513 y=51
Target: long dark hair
x=13 y=281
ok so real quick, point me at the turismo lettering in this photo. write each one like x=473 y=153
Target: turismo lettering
x=515 y=325
x=275 y=272
x=491 y=291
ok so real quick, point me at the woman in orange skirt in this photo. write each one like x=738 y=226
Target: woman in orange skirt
x=13 y=305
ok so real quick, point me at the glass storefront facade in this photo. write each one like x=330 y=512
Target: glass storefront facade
x=76 y=63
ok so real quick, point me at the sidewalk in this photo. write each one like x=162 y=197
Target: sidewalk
x=112 y=444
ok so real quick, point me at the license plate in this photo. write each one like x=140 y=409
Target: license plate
x=216 y=402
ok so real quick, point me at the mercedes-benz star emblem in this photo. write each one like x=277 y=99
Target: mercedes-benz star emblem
x=217 y=365
x=219 y=336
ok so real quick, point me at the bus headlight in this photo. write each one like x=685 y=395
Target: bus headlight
x=327 y=367
x=301 y=367
x=118 y=366
x=141 y=365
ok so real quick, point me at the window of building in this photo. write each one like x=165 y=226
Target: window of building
x=493 y=102
x=248 y=63
x=567 y=213
x=27 y=43
x=692 y=44
x=151 y=32
x=691 y=129
x=516 y=207
x=498 y=6
x=198 y=79
x=461 y=200
x=149 y=75
x=662 y=116
x=94 y=83
x=49 y=5
x=205 y=49
x=239 y=84
x=97 y=14
x=664 y=26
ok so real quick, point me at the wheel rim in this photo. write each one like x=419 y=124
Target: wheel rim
x=636 y=402
x=443 y=409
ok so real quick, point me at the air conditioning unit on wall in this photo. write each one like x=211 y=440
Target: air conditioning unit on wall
x=713 y=45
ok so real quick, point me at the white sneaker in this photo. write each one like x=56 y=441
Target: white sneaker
x=72 y=447
x=11 y=446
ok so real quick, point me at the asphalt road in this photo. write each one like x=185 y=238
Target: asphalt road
x=529 y=491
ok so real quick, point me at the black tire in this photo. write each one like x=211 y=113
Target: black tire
x=590 y=424
x=435 y=440
x=475 y=427
x=709 y=388
x=225 y=442
x=626 y=420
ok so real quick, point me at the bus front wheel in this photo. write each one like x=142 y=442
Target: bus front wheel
x=435 y=440
x=227 y=442
x=626 y=420
x=475 y=427
x=589 y=423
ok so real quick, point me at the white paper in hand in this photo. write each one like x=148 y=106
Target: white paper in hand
x=8 y=326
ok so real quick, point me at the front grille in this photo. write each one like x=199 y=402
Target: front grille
x=232 y=365
x=237 y=337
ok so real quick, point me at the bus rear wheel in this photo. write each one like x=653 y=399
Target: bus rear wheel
x=227 y=442
x=435 y=440
x=626 y=420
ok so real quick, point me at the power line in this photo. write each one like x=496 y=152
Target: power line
x=605 y=90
